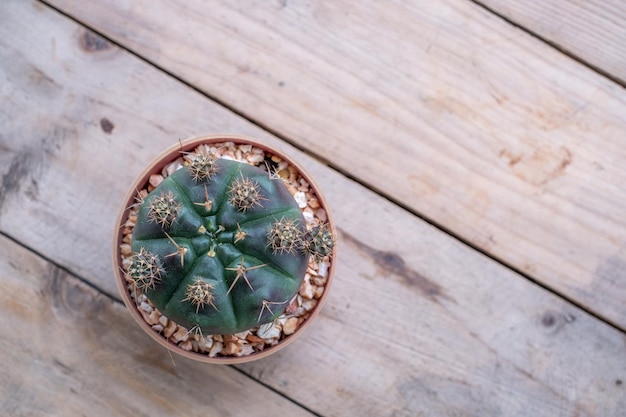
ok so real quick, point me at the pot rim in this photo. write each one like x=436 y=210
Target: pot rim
x=155 y=166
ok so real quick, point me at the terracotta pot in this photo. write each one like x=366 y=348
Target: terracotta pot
x=141 y=183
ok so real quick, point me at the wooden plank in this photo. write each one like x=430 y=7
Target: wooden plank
x=420 y=324
x=417 y=323
x=442 y=106
x=76 y=110
x=593 y=30
x=69 y=350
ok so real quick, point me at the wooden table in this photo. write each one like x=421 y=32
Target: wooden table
x=472 y=152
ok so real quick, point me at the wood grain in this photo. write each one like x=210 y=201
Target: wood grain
x=68 y=350
x=441 y=106
x=417 y=323
x=593 y=31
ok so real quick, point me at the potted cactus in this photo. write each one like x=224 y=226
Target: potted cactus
x=225 y=249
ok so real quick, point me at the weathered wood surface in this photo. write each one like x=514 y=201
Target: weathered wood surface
x=593 y=30
x=418 y=324
x=442 y=106
x=68 y=350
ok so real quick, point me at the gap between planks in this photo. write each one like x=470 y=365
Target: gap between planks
x=552 y=44
x=346 y=174
x=115 y=299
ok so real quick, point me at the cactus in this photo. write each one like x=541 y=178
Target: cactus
x=220 y=246
x=145 y=270
x=318 y=242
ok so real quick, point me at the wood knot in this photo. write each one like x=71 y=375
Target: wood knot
x=553 y=321
x=92 y=42
x=106 y=125
x=548 y=319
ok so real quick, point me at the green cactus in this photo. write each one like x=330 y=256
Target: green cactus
x=318 y=242
x=145 y=270
x=215 y=246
